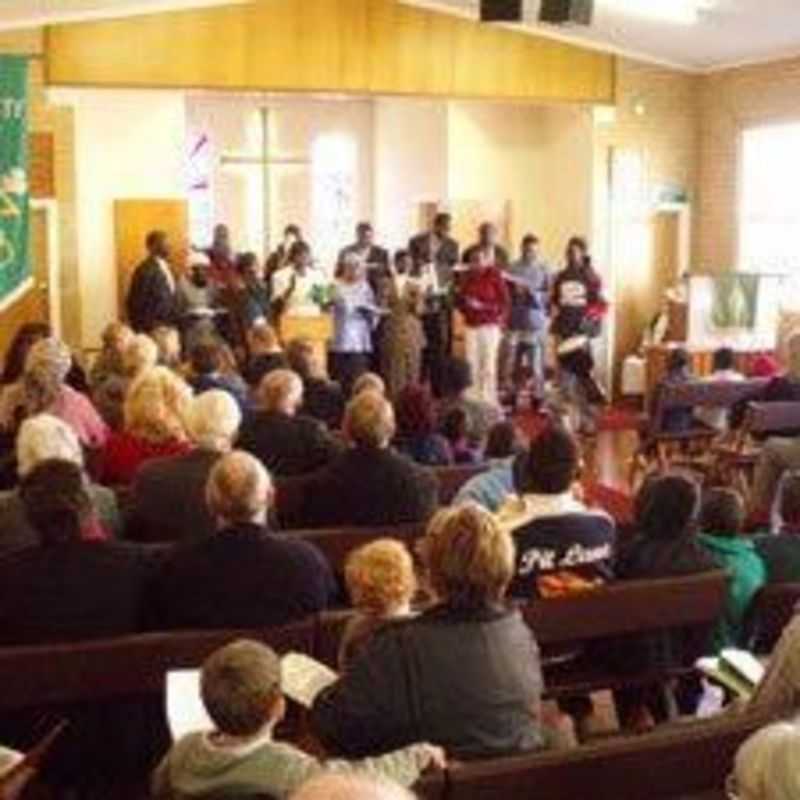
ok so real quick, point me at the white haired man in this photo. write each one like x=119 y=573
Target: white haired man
x=42 y=438
x=287 y=443
x=168 y=496
x=242 y=576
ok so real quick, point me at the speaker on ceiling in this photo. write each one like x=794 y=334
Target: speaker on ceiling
x=561 y=12
x=501 y=10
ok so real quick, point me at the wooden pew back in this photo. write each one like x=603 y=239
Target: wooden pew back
x=684 y=759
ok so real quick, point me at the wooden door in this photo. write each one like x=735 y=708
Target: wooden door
x=34 y=304
x=133 y=220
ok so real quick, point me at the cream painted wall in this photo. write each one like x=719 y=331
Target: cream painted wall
x=494 y=154
x=128 y=144
x=410 y=164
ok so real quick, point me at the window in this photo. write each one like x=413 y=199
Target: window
x=769 y=221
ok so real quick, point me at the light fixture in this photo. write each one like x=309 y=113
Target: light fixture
x=679 y=12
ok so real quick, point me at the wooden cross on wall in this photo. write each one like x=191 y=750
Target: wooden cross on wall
x=266 y=162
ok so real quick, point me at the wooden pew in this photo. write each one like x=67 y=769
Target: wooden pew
x=112 y=692
x=771 y=612
x=337 y=543
x=615 y=611
x=679 y=761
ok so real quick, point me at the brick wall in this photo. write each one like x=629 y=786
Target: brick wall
x=57 y=121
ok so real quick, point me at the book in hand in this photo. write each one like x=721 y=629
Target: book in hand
x=302 y=679
x=736 y=670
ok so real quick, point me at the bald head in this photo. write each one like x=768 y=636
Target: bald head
x=351 y=787
x=238 y=490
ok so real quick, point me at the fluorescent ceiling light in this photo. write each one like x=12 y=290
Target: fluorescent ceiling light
x=681 y=12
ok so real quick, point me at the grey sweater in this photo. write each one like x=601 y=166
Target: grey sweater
x=196 y=765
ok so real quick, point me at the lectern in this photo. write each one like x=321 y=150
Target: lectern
x=318 y=330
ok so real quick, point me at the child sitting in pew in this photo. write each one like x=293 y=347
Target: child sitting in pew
x=381 y=583
x=241 y=689
x=722 y=518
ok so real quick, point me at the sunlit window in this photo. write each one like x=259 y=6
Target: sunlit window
x=769 y=230
x=334 y=159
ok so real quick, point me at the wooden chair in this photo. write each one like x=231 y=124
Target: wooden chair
x=678 y=761
x=618 y=610
x=736 y=460
x=771 y=612
x=687 y=448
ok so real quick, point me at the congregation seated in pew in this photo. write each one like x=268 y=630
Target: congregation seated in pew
x=323 y=398
x=242 y=576
x=156 y=406
x=369 y=484
x=168 y=496
x=465 y=673
x=416 y=434
x=241 y=690
x=42 y=438
x=71 y=584
x=780 y=549
x=561 y=544
x=286 y=442
x=381 y=584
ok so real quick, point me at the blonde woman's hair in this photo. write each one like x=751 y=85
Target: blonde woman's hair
x=140 y=355
x=113 y=332
x=157 y=406
x=766 y=764
x=469 y=557
x=368 y=382
x=369 y=420
x=380 y=576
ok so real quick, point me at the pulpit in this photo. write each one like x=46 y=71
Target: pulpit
x=318 y=330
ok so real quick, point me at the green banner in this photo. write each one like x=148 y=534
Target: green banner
x=15 y=266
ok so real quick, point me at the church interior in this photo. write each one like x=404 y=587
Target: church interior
x=399 y=399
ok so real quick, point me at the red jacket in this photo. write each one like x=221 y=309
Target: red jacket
x=125 y=453
x=483 y=297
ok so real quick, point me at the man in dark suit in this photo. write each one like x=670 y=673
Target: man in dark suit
x=242 y=576
x=286 y=443
x=374 y=259
x=436 y=247
x=152 y=299
x=370 y=484
x=169 y=494
x=66 y=587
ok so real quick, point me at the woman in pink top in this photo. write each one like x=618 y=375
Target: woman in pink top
x=44 y=390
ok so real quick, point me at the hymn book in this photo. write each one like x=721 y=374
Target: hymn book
x=736 y=670
x=302 y=679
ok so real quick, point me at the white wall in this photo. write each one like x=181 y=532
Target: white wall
x=128 y=144
x=410 y=164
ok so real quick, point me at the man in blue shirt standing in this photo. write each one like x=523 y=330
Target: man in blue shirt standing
x=526 y=337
